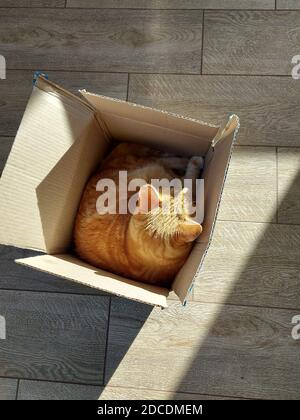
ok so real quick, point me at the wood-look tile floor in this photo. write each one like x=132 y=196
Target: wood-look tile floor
x=203 y=59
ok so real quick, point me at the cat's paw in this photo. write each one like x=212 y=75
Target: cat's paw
x=197 y=161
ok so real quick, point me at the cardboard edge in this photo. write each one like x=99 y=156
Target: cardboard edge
x=208 y=243
x=57 y=90
x=27 y=263
x=23 y=247
x=50 y=87
x=161 y=111
x=235 y=130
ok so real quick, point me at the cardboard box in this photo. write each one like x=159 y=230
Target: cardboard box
x=61 y=140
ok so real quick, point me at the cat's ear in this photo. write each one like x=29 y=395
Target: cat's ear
x=148 y=199
x=189 y=230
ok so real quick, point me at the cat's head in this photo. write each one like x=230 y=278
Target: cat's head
x=167 y=216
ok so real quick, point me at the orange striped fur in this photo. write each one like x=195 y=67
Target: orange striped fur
x=147 y=246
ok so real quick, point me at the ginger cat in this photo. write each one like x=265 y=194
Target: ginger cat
x=148 y=244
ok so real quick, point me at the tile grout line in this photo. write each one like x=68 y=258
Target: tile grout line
x=270 y=10
x=128 y=81
x=258 y=222
x=106 y=343
x=176 y=392
x=267 y=145
x=124 y=387
x=277 y=308
x=202 y=44
x=22 y=378
x=153 y=73
x=172 y=300
x=113 y=72
x=236 y=74
x=146 y=9
x=17 y=389
x=277 y=188
x=6 y=289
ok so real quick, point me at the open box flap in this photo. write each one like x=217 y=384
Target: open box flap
x=214 y=175
x=72 y=268
x=37 y=185
x=130 y=122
